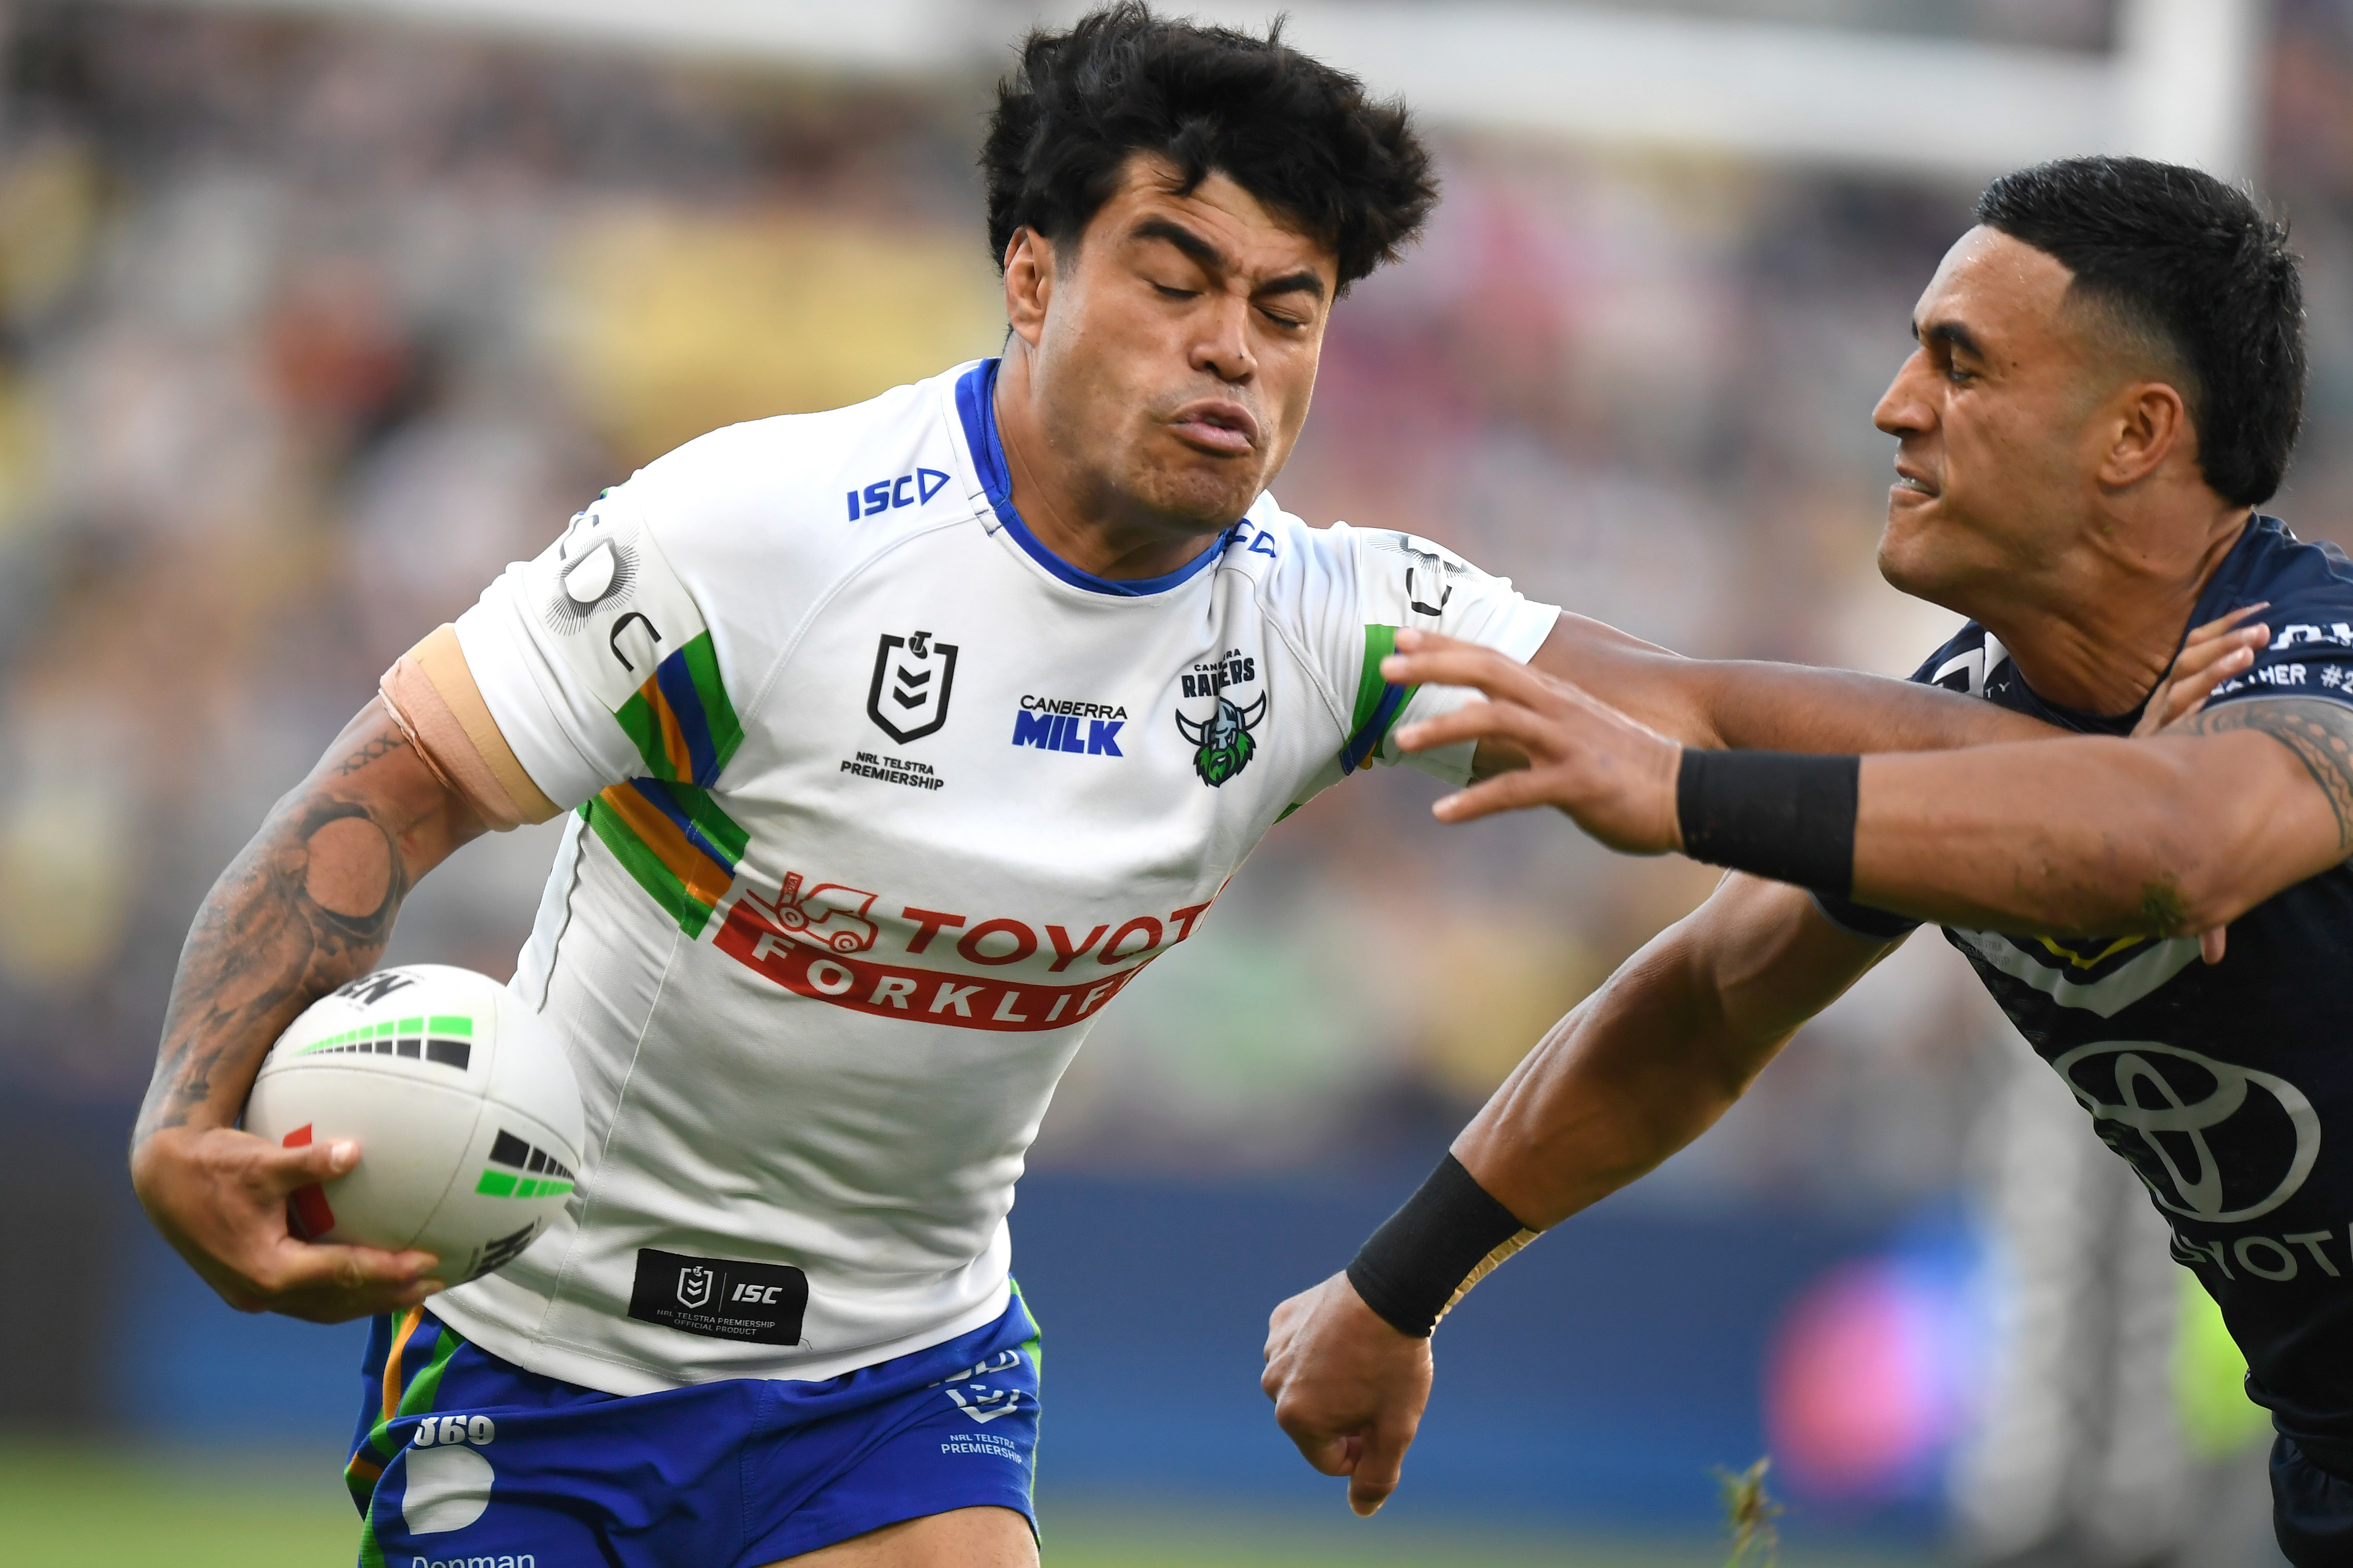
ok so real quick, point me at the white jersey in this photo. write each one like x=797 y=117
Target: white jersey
x=880 y=804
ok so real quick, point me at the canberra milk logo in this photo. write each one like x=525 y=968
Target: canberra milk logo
x=2156 y=1105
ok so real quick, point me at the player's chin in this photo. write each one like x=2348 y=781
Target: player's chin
x=1907 y=552
x=1209 y=492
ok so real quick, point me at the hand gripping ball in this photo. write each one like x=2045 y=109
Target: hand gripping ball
x=466 y=1111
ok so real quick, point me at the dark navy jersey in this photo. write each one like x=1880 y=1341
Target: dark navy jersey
x=2229 y=1088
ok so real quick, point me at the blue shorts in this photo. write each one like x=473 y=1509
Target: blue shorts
x=464 y=1459
x=2312 y=1508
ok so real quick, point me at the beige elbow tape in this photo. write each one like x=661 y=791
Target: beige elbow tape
x=433 y=698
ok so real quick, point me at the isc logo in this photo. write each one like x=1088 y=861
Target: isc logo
x=907 y=489
x=764 y=1294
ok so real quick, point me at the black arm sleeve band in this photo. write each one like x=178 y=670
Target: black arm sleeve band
x=1772 y=814
x=1449 y=1236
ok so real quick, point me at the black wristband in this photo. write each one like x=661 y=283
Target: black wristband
x=1773 y=814
x=1449 y=1236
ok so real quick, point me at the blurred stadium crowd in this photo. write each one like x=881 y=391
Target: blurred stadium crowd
x=306 y=329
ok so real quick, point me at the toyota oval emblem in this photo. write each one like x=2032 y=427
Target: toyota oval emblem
x=2171 y=1098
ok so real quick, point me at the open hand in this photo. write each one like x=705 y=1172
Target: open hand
x=1347 y=1388
x=220 y=1197
x=1614 y=776
x=2211 y=655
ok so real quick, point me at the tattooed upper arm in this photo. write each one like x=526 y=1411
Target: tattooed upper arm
x=2319 y=732
x=307 y=906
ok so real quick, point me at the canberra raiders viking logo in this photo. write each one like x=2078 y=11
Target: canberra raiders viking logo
x=1223 y=740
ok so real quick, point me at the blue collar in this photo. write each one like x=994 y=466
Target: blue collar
x=976 y=398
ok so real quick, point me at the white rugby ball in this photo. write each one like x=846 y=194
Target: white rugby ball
x=464 y=1106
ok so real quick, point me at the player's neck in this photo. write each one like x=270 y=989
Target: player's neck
x=1085 y=524
x=2103 y=630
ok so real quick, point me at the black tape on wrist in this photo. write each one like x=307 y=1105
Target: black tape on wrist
x=1446 y=1239
x=1773 y=814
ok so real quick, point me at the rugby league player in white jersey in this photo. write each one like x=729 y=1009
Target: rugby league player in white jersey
x=896 y=739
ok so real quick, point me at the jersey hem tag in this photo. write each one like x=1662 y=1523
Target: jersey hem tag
x=720 y=1299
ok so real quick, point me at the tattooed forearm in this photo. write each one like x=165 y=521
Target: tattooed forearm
x=289 y=921
x=308 y=906
x=2319 y=733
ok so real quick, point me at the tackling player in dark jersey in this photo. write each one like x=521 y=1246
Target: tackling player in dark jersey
x=2108 y=380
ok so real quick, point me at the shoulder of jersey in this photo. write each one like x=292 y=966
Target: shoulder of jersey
x=1958 y=663
x=2291 y=571
x=1273 y=545
x=815 y=487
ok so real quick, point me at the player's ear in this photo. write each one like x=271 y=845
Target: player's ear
x=2146 y=423
x=1029 y=282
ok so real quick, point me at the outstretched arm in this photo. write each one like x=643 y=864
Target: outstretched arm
x=2184 y=833
x=1640 y=1068
x=1774 y=707
x=2174 y=834
x=1798 y=707
x=307 y=907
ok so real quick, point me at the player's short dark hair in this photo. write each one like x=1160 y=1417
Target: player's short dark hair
x=2191 y=267
x=1302 y=137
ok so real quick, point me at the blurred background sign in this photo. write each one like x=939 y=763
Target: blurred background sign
x=315 y=314
x=1827 y=81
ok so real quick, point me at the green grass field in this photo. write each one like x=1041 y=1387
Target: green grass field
x=83 y=1507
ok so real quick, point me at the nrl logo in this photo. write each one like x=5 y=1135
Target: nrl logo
x=695 y=1287
x=1222 y=741
x=912 y=677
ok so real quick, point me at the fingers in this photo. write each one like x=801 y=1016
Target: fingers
x=2205 y=665
x=290 y=1170
x=1472 y=721
x=2223 y=623
x=1348 y=1388
x=1425 y=658
x=2211 y=942
x=331 y=1284
x=1515 y=790
x=219 y=1195
x=1378 y=1469
x=2210 y=655
x=1536 y=736
x=1329 y=1454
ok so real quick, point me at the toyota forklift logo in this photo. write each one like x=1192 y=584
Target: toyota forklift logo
x=2163 y=1108
x=828 y=915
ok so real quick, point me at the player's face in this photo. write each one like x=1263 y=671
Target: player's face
x=1177 y=356
x=1990 y=416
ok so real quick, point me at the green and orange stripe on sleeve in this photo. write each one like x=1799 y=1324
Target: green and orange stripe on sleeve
x=677 y=843
x=681 y=720
x=674 y=838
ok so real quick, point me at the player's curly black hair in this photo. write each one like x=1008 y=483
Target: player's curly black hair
x=2192 y=267
x=1300 y=136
